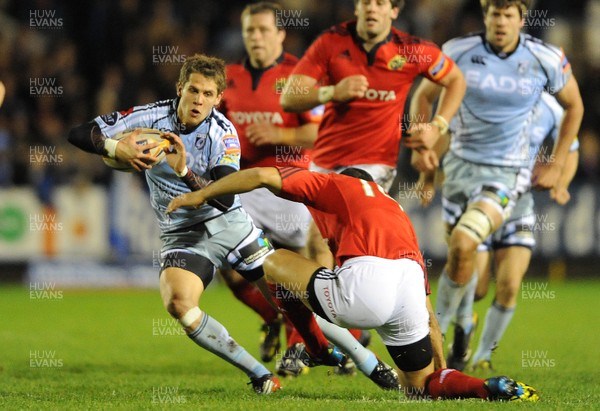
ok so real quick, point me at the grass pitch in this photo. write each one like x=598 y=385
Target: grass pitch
x=118 y=349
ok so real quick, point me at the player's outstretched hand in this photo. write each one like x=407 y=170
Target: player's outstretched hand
x=350 y=87
x=175 y=155
x=193 y=199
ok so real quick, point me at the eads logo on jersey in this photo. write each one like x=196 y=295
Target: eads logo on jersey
x=397 y=62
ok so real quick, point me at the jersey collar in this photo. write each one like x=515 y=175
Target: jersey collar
x=360 y=42
x=503 y=55
x=256 y=73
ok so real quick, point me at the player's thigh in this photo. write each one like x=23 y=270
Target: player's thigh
x=512 y=263
x=290 y=270
x=231 y=277
x=180 y=290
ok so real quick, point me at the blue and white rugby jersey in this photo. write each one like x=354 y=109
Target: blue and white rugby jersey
x=547 y=118
x=493 y=122
x=214 y=142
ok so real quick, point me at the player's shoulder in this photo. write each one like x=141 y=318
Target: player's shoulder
x=542 y=50
x=152 y=112
x=289 y=60
x=344 y=29
x=402 y=38
x=463 y=44
x=220 y=125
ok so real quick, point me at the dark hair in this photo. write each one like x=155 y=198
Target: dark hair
x=395 y=3
x=522 y=5
x=209 y=67
x=262 y=7
x=357 y=173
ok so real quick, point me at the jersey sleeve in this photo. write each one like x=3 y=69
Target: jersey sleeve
x=315 y=61
x=437 y=65
x=119 y=121
x=314 y=116
x=301 y=185
x=226 y=151
x=554 y=63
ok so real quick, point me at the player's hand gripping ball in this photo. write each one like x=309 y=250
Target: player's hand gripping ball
x=145 y=136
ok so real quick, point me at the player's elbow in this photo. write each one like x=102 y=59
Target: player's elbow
x=285 y=102
x=289 y=103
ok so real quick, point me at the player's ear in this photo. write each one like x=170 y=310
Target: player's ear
x=281 y=35
x=179 y=87
x=218 y=99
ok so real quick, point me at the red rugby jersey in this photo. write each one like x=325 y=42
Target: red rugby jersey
x=252 y=96
x=356 y=217
x=367 y=130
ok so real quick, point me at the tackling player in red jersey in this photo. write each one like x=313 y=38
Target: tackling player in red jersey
x=269 y=136
x=365 y=69
x=380 y=282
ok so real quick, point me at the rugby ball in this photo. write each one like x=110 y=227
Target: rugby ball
x=146 y=136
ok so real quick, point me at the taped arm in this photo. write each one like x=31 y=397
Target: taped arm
x=196 y=183
x=88 y=137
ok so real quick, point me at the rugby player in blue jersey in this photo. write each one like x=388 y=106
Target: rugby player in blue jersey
x=487 y=166
x=204 y=147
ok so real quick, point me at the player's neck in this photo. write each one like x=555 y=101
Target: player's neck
x=369 y=42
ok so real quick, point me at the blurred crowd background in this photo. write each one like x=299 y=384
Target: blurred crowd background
x=64 y=62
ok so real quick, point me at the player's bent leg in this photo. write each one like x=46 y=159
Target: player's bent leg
x=251 y=296
x=474 y=226
x=290 y=270
x=180 y=291
x=415 y=362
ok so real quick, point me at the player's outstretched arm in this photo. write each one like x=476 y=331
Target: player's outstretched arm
x=235 y=183
x=450 y=90
x=89 y=138
x=263 y=133
x=300 y=94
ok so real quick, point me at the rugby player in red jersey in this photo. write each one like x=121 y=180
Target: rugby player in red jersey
x=365 y=69
x=380 y=281
x=271 y=137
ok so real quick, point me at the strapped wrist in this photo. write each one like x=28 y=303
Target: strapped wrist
x=183 y=172
x=110 y=146
x=441 y=123
x=326 y=94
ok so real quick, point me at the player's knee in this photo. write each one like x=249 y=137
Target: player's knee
x=412 y=357
x=462 y=246
x=178 y=306
x=480 y=294
x=474 y=224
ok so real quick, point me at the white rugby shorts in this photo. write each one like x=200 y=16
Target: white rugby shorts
x=374 y=293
